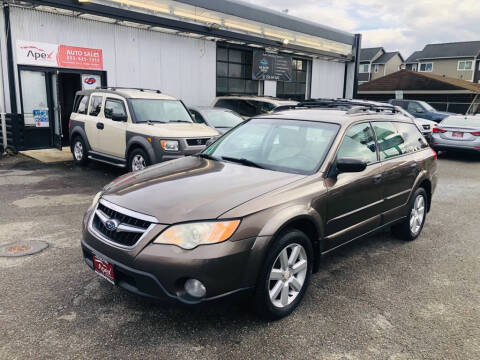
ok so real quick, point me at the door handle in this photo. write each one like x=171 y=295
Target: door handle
x=377 y=178
x=100 y=125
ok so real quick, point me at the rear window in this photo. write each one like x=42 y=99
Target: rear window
x=396 y=139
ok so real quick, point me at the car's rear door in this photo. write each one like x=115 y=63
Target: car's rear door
x=354 y=199
x=398 y=144
x=92 y=128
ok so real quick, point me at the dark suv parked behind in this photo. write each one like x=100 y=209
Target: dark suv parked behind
x=421 y=109
x=257 y=209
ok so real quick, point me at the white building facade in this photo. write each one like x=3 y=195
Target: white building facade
x=194 y=50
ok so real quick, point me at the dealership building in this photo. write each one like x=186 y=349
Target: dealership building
x=194 y=50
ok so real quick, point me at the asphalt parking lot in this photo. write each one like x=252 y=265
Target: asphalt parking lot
x=379 y=298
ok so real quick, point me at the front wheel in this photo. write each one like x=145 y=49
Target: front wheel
x=284 y=276
x=410 y=228
x=138 y=160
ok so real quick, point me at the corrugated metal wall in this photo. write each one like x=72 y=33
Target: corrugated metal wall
x=179 y=66
x=327 y=79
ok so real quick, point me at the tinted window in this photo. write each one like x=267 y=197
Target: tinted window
x=222 y=118
x=82 y=105
x=286 y=145
x=197 y=117
x=227 y=104
x=95 y=105
x=414 y=107
x=359 y=143
x=114 y=106
x=248 y=108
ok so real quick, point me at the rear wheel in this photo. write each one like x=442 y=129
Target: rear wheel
x=79 y=151
x=410 y=228
x=138 y=160
x=284 y=276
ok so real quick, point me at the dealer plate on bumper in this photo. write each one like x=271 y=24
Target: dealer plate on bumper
x=104 y=269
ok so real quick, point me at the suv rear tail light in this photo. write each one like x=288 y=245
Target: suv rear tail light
x=475 y=133
x=437 y=130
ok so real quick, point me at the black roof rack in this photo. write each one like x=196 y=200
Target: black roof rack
x=113 y=88
x=344 y=104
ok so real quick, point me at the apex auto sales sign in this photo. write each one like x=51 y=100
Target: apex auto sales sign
x=63 y=56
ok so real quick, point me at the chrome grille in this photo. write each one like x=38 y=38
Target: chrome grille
x=119 y=226
x=196 y=142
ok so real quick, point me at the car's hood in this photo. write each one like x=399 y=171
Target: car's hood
x=174 y=130
x=193 y=188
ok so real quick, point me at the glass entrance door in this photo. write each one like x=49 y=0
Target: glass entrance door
x=35 y=103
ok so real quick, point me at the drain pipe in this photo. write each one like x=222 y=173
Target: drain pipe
x=3 y=110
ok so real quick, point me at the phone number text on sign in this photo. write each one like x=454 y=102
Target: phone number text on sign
x=80 y=58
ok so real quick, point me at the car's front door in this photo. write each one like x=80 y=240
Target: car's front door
x=115 y=119
x=398 y=143
x=354 y=199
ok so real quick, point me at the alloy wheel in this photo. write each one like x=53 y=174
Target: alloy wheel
x=138 y=163
x=417 y=215
x=287 y=276
x=78 y=151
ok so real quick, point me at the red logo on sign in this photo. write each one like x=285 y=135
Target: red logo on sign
x=79 y=58
x=36 y=52
x=90 y=80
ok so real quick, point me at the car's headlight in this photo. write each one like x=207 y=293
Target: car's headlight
x=169 y=145
x=190 y=235
x=96 y=199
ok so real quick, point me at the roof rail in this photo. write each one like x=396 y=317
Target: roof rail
x=344 y=104
x=114 y=88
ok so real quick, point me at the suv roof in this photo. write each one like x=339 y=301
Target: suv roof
x=270 y=99
x=130 y=93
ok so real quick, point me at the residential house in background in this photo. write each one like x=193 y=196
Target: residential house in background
x=376 y=62
x=458 y=60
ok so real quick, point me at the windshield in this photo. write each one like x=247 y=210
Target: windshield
x=461 y=121
x=426 y=106
x=281 y=145
x=222 y=118
x=157 y=110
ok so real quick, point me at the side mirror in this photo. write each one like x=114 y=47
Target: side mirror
x=419 y=110
x=348 y=165
x=119 y=117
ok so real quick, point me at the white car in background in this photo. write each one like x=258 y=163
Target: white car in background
x=425 y=126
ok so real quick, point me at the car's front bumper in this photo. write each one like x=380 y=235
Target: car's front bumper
x=159 y=271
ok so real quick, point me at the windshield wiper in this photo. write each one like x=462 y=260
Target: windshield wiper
x=243 y=161
x=181 y=121
x=207 y=156
x=150 y=122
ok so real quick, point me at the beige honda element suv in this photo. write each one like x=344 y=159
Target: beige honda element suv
x=133 y=128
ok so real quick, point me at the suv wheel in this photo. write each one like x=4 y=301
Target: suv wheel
x=79 y=151
x=138 y=160
x=412 y=226
x=284 y=276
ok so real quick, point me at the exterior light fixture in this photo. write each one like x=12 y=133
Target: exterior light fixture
x=285 y=42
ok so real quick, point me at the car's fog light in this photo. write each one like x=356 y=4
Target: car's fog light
x=195 y=288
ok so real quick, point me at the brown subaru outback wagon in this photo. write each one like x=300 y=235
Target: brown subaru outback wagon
x=257 y=209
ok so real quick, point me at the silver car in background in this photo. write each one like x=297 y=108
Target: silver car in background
x=457 y=133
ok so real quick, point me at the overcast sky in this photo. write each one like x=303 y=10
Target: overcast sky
x=405 y=25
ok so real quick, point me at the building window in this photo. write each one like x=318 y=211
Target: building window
x=465 y=65
x=234 y=72
x=375 y=68
x=426 y=67
x=364 y=68
x=297 y=88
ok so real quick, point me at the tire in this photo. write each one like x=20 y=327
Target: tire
x=79 y=151
x=276 y=307
x=136 y=157
x=405 y=230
